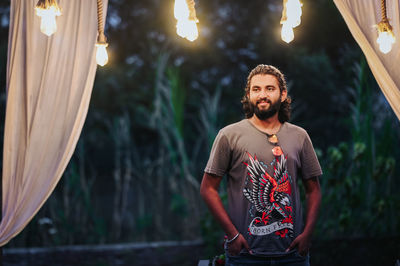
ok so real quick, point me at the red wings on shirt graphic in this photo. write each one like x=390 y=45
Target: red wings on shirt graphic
x=269 y=193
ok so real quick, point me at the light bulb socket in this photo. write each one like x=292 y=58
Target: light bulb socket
x=384 y=26
x=102 y=39
x=46 y=4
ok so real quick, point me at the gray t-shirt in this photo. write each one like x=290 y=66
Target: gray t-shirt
x=263 y=195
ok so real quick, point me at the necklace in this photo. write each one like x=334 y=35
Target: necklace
x=272 y=138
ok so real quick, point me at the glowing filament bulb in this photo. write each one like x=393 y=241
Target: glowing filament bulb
x=291 y=18
x=186 y=26
x=181 y=10
x=101 y=54
x=187 y=29
x=386 y=37
x=287 y=33
x=48 y=15
x=293 y=12
x=385 y=40
x=192 y=31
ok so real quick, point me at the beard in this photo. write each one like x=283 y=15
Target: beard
x=266 y=113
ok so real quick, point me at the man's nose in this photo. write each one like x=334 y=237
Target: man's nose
x=264 y=94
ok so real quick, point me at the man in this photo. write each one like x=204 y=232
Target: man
x=264 y=157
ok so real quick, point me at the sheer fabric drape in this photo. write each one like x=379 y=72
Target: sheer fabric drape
x=49 y=83
x=360 y=17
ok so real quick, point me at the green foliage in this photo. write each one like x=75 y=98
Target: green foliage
x=177 y=97
x=209 y=112
x=212 y=233
x=178 y=205
x=359 y=174
x=318 y=100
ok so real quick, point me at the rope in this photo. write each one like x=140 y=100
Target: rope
x=383 y=9
x=100 y=22
x=46 y=4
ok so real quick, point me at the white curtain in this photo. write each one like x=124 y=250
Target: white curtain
x=49 y=83
x=360 y=17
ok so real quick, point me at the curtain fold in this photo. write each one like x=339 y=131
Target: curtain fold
x=361 y=16
x=49 y=84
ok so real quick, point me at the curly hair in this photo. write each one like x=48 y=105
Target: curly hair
x=284 y=110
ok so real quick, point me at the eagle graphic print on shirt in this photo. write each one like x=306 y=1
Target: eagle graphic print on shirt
x=270 y=196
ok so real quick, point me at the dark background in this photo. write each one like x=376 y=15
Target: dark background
x=159 y=102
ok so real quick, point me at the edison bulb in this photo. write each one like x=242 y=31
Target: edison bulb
x=181 y=10
x=48 y=23
x=287 y=33
x=187 y=29
x=385 y=41
x=193 y=32
x=293 y=12
x=101 y=54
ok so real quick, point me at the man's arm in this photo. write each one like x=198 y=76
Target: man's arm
x=313 y=197
x=209 y=192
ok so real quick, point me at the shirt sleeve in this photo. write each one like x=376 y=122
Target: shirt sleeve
x=310 y=166
x=220 y=156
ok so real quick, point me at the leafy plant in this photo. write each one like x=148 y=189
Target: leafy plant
x=358 y=174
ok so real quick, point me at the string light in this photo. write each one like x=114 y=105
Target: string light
x=47 y=10
x=101 y=44
x=386 y=38
x=291 y=18
x=185 y=14
x=287 y=33
x=101 y=53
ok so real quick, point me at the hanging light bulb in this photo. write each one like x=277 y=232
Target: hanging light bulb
x=187 y=29
x=386 y=38
x=186 y=25
x=181 y=10
x=291 y=18
x=101 y=54
x=101 y=44
x=48 y=10
x=293 y=12
x=287 y=33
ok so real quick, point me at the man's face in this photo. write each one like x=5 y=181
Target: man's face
x=265 y=96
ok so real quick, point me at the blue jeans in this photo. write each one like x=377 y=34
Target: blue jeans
x=292 y=259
